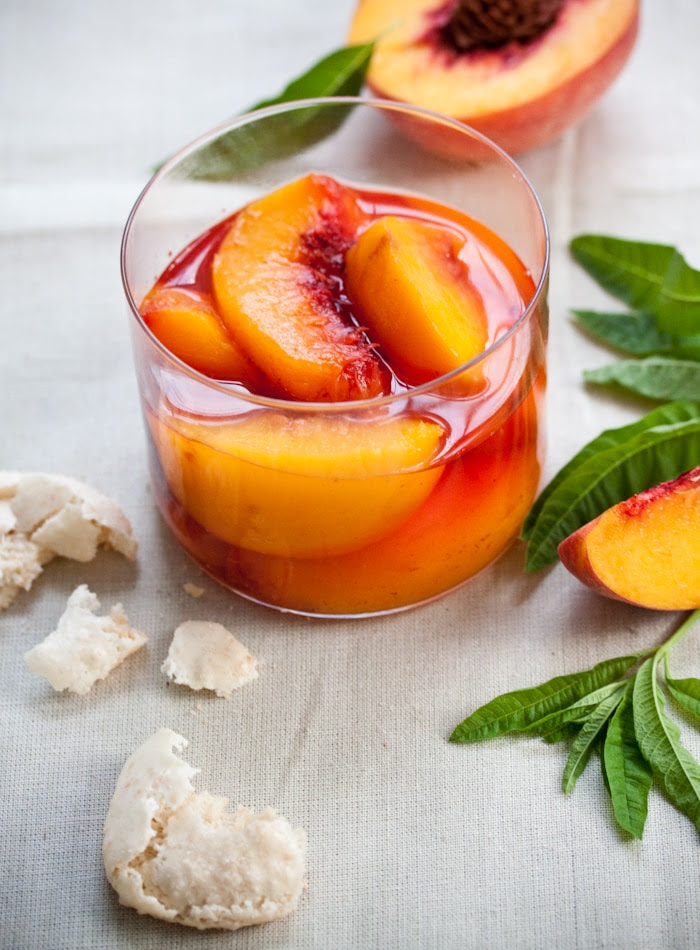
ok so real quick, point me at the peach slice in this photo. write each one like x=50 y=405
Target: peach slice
x=645 y=550
x=187 y=324
x=473 y=513
x=519 y=91
x=302 y=487
x=411 y=289
x=275 y=280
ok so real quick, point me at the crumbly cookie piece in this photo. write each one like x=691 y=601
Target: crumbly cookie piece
x=45 y=516
x=205 y=655
x=181 y=856
x=84 y=648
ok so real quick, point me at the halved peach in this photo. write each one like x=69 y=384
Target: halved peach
x=409 y=286
x=186 y=323
x=645 y=550
x=519 y=91
x=274 y=284
x=301 y=487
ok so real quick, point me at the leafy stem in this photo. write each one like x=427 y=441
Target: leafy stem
x=618 y=709
x=684 y=629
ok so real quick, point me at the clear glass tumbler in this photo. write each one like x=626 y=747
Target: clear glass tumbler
x=358 y=507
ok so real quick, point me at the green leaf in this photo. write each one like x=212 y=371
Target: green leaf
x=655 y=454
x=654 y=278
x=340 y=73
x=686 y=692
x=583 y=743
x=636 y=334
x=656 y=377
x=633 y=271
x=562 y=733
x=564 y=722
x=610 y=438
x=659 y=740
x=515 y=711
x=251 y=145
x=628 y=775
x=678 y=309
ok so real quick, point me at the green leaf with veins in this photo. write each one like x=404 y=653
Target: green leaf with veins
x=590 y=732
x=565 y=722
x=656 y=377
x=653 y=278
x=636 y=334
x=340 y=73
x=659 y=739
x=518 y=710
x=686 y=692
x=628 y=774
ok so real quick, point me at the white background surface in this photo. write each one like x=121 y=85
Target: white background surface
x=413 y=842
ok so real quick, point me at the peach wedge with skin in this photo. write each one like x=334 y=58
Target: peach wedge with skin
x=412 y=291
x=279 y=304
x=645 y=550
x=301 y=487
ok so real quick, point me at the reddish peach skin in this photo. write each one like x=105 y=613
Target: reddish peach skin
x=517 y=125
x=645 y=550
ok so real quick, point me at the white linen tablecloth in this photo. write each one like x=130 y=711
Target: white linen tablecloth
x=412 y=842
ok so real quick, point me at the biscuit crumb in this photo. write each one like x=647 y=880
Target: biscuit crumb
x=194 y=590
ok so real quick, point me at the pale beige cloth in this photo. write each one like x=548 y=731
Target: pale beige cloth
x=413 y=842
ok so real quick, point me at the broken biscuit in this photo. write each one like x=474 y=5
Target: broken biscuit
x=84 y=648
x=45 y=516
x=181 y=856
x=205 y=655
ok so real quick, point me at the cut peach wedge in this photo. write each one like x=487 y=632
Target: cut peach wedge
x=645 y=550
x=412 y=291
x=187 y=324
x=301 y=487
x=275 y=287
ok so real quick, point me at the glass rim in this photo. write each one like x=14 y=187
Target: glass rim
x=236 y=390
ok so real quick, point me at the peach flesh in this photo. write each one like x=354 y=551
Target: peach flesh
x=298 y=487
x=519 y=96
x=645 y=550
x=187 y=324
x=435 y=323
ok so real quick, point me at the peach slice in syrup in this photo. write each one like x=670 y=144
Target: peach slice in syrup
x=187 y=324
x=413 y=293
x=301 y=487
x=279 y=302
